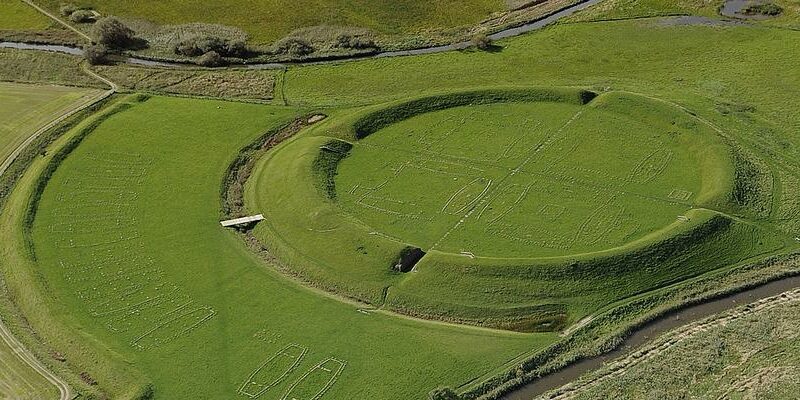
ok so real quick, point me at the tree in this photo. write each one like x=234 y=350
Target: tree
x=82 y=16
x=481 y=41
x=295 y=47
x=67 y=9
x=211 y=59
x=350 y=41
x=112 y=33
x=199 y=45
x=96 y=54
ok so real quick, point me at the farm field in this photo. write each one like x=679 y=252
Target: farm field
x=26 y=108
x=21 y=22
x=16 y=15
x=165 y=285
x=748 y=353
x=468 y=220
x=19 y=381
x=268 y=20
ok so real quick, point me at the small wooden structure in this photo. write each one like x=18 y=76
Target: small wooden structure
x=242 y=221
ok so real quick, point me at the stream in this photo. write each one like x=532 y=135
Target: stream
x=528 y=27
x=651 y=330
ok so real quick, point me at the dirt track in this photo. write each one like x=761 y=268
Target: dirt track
x=5 y=334
x=64 y=390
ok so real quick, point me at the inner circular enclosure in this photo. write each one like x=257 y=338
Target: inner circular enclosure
x=520 y=179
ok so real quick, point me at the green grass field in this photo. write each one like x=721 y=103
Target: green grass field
x=127 y=235
x=268 y=20
x=27 y=108
x=754 y=356
x=599 y=55
x=570 y=208
x=16 y=15
x=544 y=179
x=43 y=67
x=19 y=381
x=532 y=212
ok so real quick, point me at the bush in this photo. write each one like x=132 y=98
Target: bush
x=199 y=45
x=82 y=16
x=294 y=46
x=112 y=33
x=67 y=9
x=236 y=48
x=481 y=41
x=350 y=41
x=443 y=393
x=96 y=54
x=763 y=9
x=211 y=59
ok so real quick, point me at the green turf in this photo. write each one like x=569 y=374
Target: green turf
x=33 y=313
x=740 y=79
x=16 y=15
x=709 y=61
x=531 y=212
x=127 y=236
x=531 y=180
x=44 y=67
x=27 y=108
x=20 y=381
x=753 y=356
x=269 y=20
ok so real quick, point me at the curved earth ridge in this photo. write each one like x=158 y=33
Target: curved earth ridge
x=366 y=274
x=399 y=143
x=249 y=305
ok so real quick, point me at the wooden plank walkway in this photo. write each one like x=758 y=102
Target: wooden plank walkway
x=242 y=221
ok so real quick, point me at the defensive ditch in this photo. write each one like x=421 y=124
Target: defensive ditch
x=650 y=331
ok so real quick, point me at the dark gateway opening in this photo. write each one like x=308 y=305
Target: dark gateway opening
x=409 y=257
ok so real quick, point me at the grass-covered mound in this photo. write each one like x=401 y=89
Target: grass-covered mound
x=533 y=204
x=126 y=237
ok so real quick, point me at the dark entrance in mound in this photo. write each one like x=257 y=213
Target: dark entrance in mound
x=409 y=257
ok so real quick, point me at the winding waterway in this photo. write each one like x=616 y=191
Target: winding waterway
x=650 y=331
x=528 y=27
